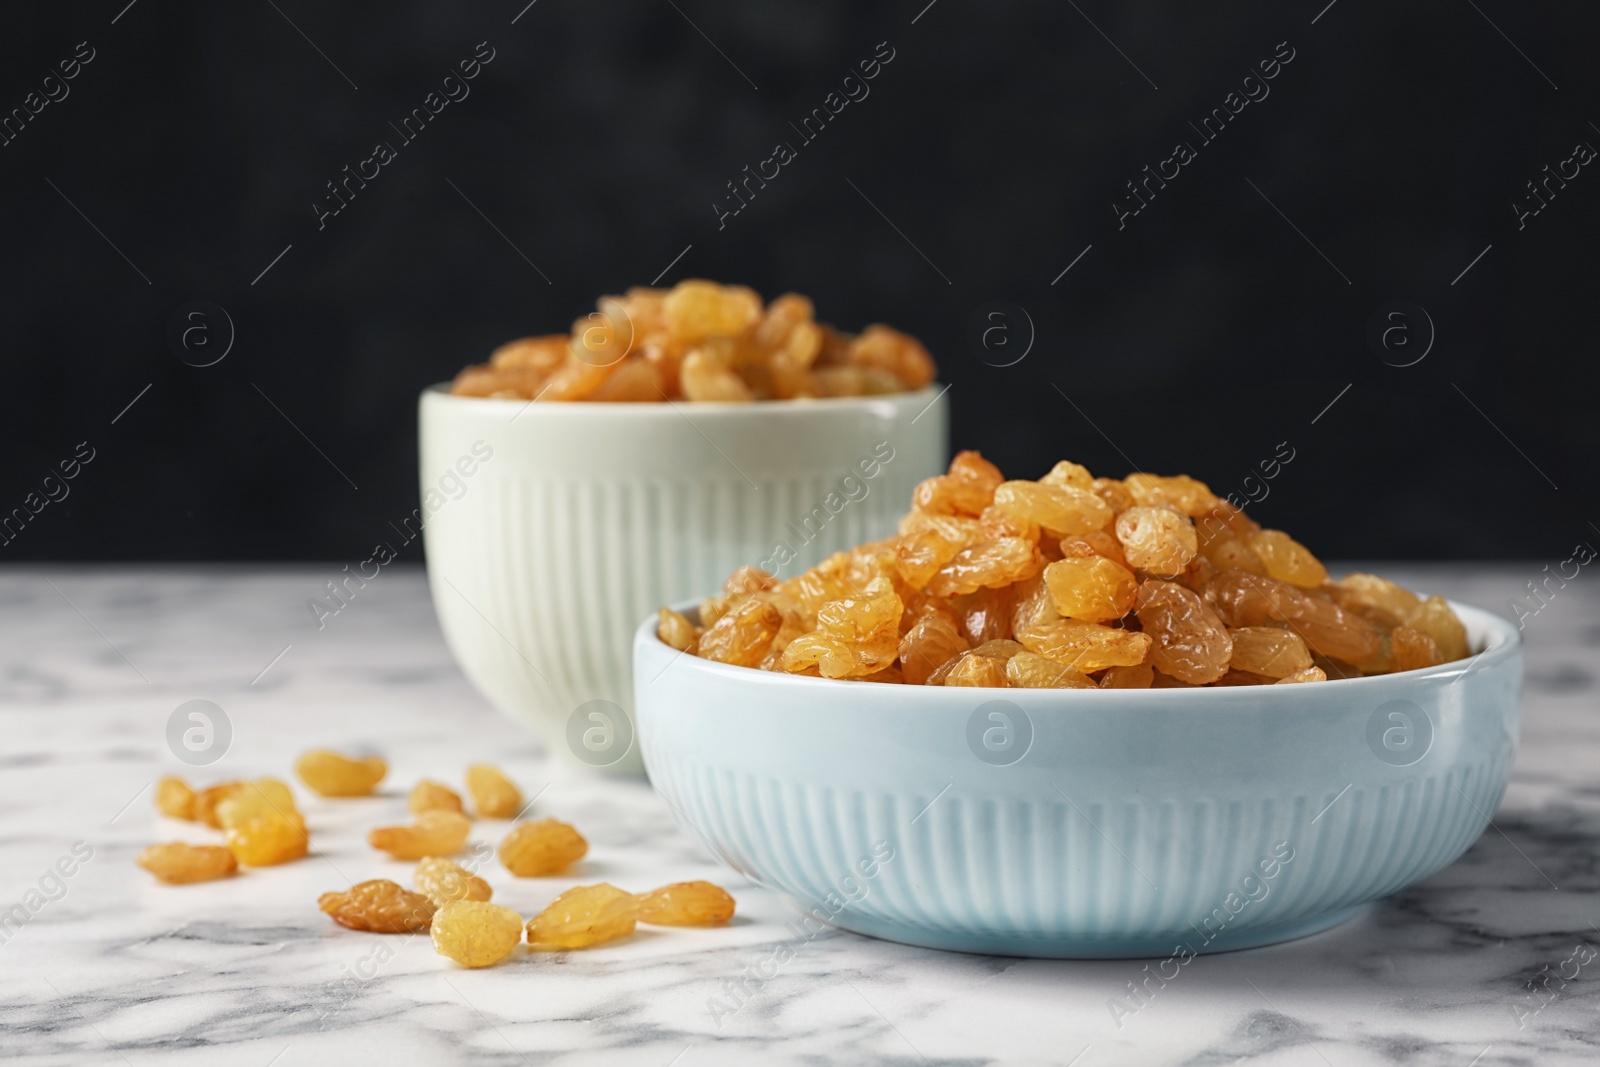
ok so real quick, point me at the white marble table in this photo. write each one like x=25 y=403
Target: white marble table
x=111 y=968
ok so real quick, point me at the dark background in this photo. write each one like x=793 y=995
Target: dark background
x=600 y=136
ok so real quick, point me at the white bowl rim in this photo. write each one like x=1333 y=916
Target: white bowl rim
x=1504 y=643
x=504 y=408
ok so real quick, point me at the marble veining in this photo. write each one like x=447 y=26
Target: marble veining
x=1492 y=961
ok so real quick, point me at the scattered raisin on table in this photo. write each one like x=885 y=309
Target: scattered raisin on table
x=331 y=775
x=474 y=933
x=379 y=906
x=442 y=881
x=435 y=833
x=538 y=848
x=584 y=916
x=686 y=904
x=494 y=796
x=177 y=863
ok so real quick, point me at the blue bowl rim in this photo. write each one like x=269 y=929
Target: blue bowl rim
x=1504 y=643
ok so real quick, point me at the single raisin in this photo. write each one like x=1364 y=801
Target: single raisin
x=177 y=863
x=269 y=838
x=435 y=833
x=1268 y=650
x=331 y=775
x=1157 y=539
x=584 y=916
x=686 y=904
x=1091 y=588
x=494 y=796
x=533 y=849
x=442 y=881
x=475 y=934
x=1028 y=670
x=1191 y=644
x=379 y=906
x=175 y=799
x=429 y=795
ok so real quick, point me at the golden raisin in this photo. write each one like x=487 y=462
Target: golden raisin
x=532 y=849
x=494 y=796
x=965 y=489
x=332 y=775
x=1269 y=651
x=1069 y=475
x=972 y=669
x=1094 y=543
x=1028 y=670
x=1086 y=646
x=1034 y=605
x=1114 y=493
x=1091 y=588
x=686 y=904
x=175 y=799
x=1141 y=676
x=442 y=881
x=706 y=379
x=1157 y=540
x=1191 y=644
x=920 y=554
x=252 y=800
x=1434 y=618
x=996 y=522
x=855 y=636
x=1230 y=553
x=1249 y=600
x=743 y=635
x=931 y=641
x=435 y=833
x=697 y=309
x=206 y=801
x=988 y=564
x=1287 y=559
x=177 y=863
x=900 y=354
x=379 y=906
x=986 y=614
x=269 y=838
x=675 y=630
x=475 y=934
x=1191 y=497
x=584 y=916
x=1377 y=598
x=1063 y=511
x=977 y=562
x=1411 y=650
x=1310 y=674
x=429 y=795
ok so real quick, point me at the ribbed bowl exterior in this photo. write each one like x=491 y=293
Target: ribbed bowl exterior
x=585 y=517
x=1138 y=823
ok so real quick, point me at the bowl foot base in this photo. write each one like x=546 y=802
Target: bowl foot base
x=1065 y=948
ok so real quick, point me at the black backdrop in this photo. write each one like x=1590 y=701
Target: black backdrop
x=1381 y=161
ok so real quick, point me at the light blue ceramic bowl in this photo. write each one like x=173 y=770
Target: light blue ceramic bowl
x=1079 y=823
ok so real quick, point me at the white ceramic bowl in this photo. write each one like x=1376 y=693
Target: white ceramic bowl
x=551 y=528
x=1083 y=823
